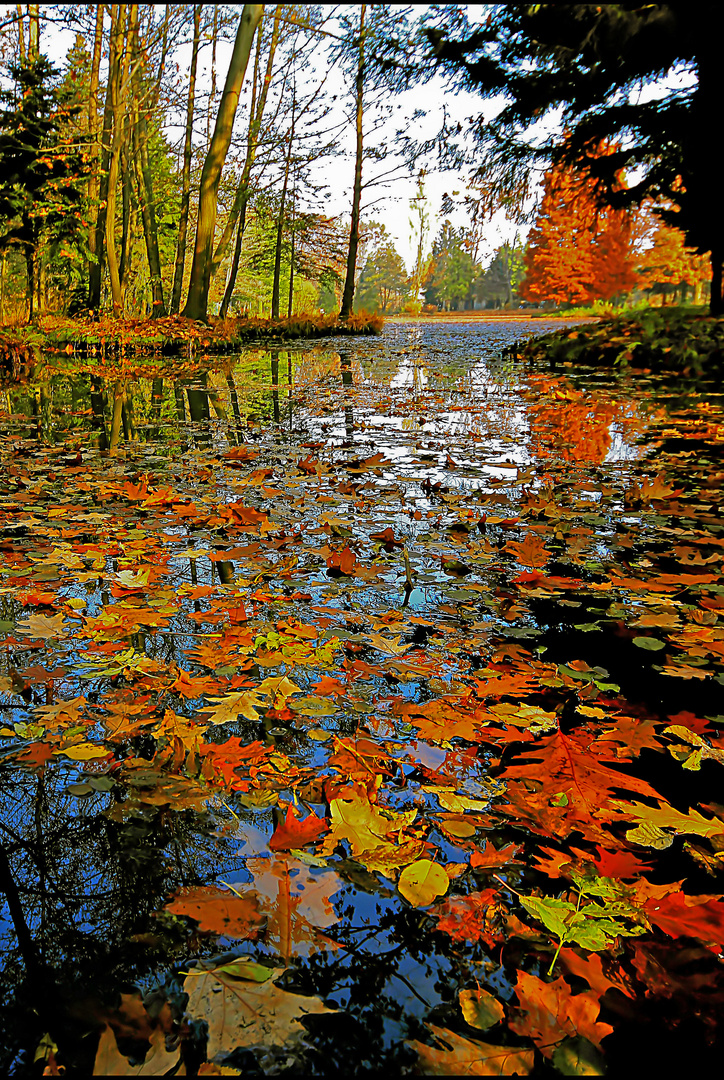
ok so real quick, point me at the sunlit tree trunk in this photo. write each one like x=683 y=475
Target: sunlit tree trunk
x=212 y=93
x=96 y=269
x=238 y=209
x=21 y=33
x=34 y=32
x=93 y=128
x=117 y=80
x=186 y=175
x=348 y=294
x=125 y=218
x=198 y=298
x=290 y=303
x=280 y=226
x=145 y=179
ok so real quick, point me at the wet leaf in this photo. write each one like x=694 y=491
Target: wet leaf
x=652 y=644
x=241 y=1013
x=43 y=626
x=219 y=911
x=462 y=1057
x=480 y=1009
x=422 y=882
x=549 y=1012
x=296 y=833
x=578 y=1057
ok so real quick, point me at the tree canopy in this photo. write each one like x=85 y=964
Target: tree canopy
x=595 y=72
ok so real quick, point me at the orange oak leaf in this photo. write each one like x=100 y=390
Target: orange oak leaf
x=190 y=686
x=295 y=833
x=549 y=1013
x=246 y=515
x=327 y=686
x=218 y=911
x=488 y=858
x=567 y=767
x=467 y=1058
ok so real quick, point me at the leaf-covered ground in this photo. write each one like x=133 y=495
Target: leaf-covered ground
x=377 y=721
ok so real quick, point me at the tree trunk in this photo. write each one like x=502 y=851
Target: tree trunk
x=348 y=294
x=212 y=93
x=716 y=306
x=21 y=33
x=145 y=179
x=30 y=270
x=234 y=264
x=34 y=32
x=183 y=225
x=93 y=175
x=258 y=104
x=117 y=78
x=125 y=217
x=280 y=225
x=198 y=298
x=290 y=302
x=96 y=269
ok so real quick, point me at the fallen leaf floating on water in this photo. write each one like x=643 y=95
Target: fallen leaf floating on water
x=459 y=771
x=480 y=1009
x=549 y=1013
x=463 y=1057
x=422 y=882
x=43 y=626
x=296 y=833
x=241 y=1013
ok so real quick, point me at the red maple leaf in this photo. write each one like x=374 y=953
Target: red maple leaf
x=294 y=833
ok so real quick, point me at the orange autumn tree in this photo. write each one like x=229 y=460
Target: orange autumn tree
x=577 y=252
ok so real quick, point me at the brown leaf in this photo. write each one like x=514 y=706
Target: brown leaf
x=463 y=1057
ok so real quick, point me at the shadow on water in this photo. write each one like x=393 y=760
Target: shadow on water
x=374 y=534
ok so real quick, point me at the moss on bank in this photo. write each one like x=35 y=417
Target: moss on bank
x=657 y=339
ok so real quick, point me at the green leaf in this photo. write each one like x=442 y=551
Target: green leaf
x=552 y=913
x=246 y=969
x=578 y=1057
x=651 y=643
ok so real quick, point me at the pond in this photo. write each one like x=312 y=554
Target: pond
x=361 y=711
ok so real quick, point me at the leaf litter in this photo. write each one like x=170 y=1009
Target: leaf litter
x=400 y=692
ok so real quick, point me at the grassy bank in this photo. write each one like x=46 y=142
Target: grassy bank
x=171 y=336
x=679 y=339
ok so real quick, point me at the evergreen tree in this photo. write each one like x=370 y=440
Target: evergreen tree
x=501 y=280
x=452 y=270
x=383 y=283
x=42 y=165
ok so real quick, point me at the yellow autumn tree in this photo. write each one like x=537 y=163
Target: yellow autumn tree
x=668 y=267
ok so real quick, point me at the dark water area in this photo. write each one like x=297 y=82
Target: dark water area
x=326 y=673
